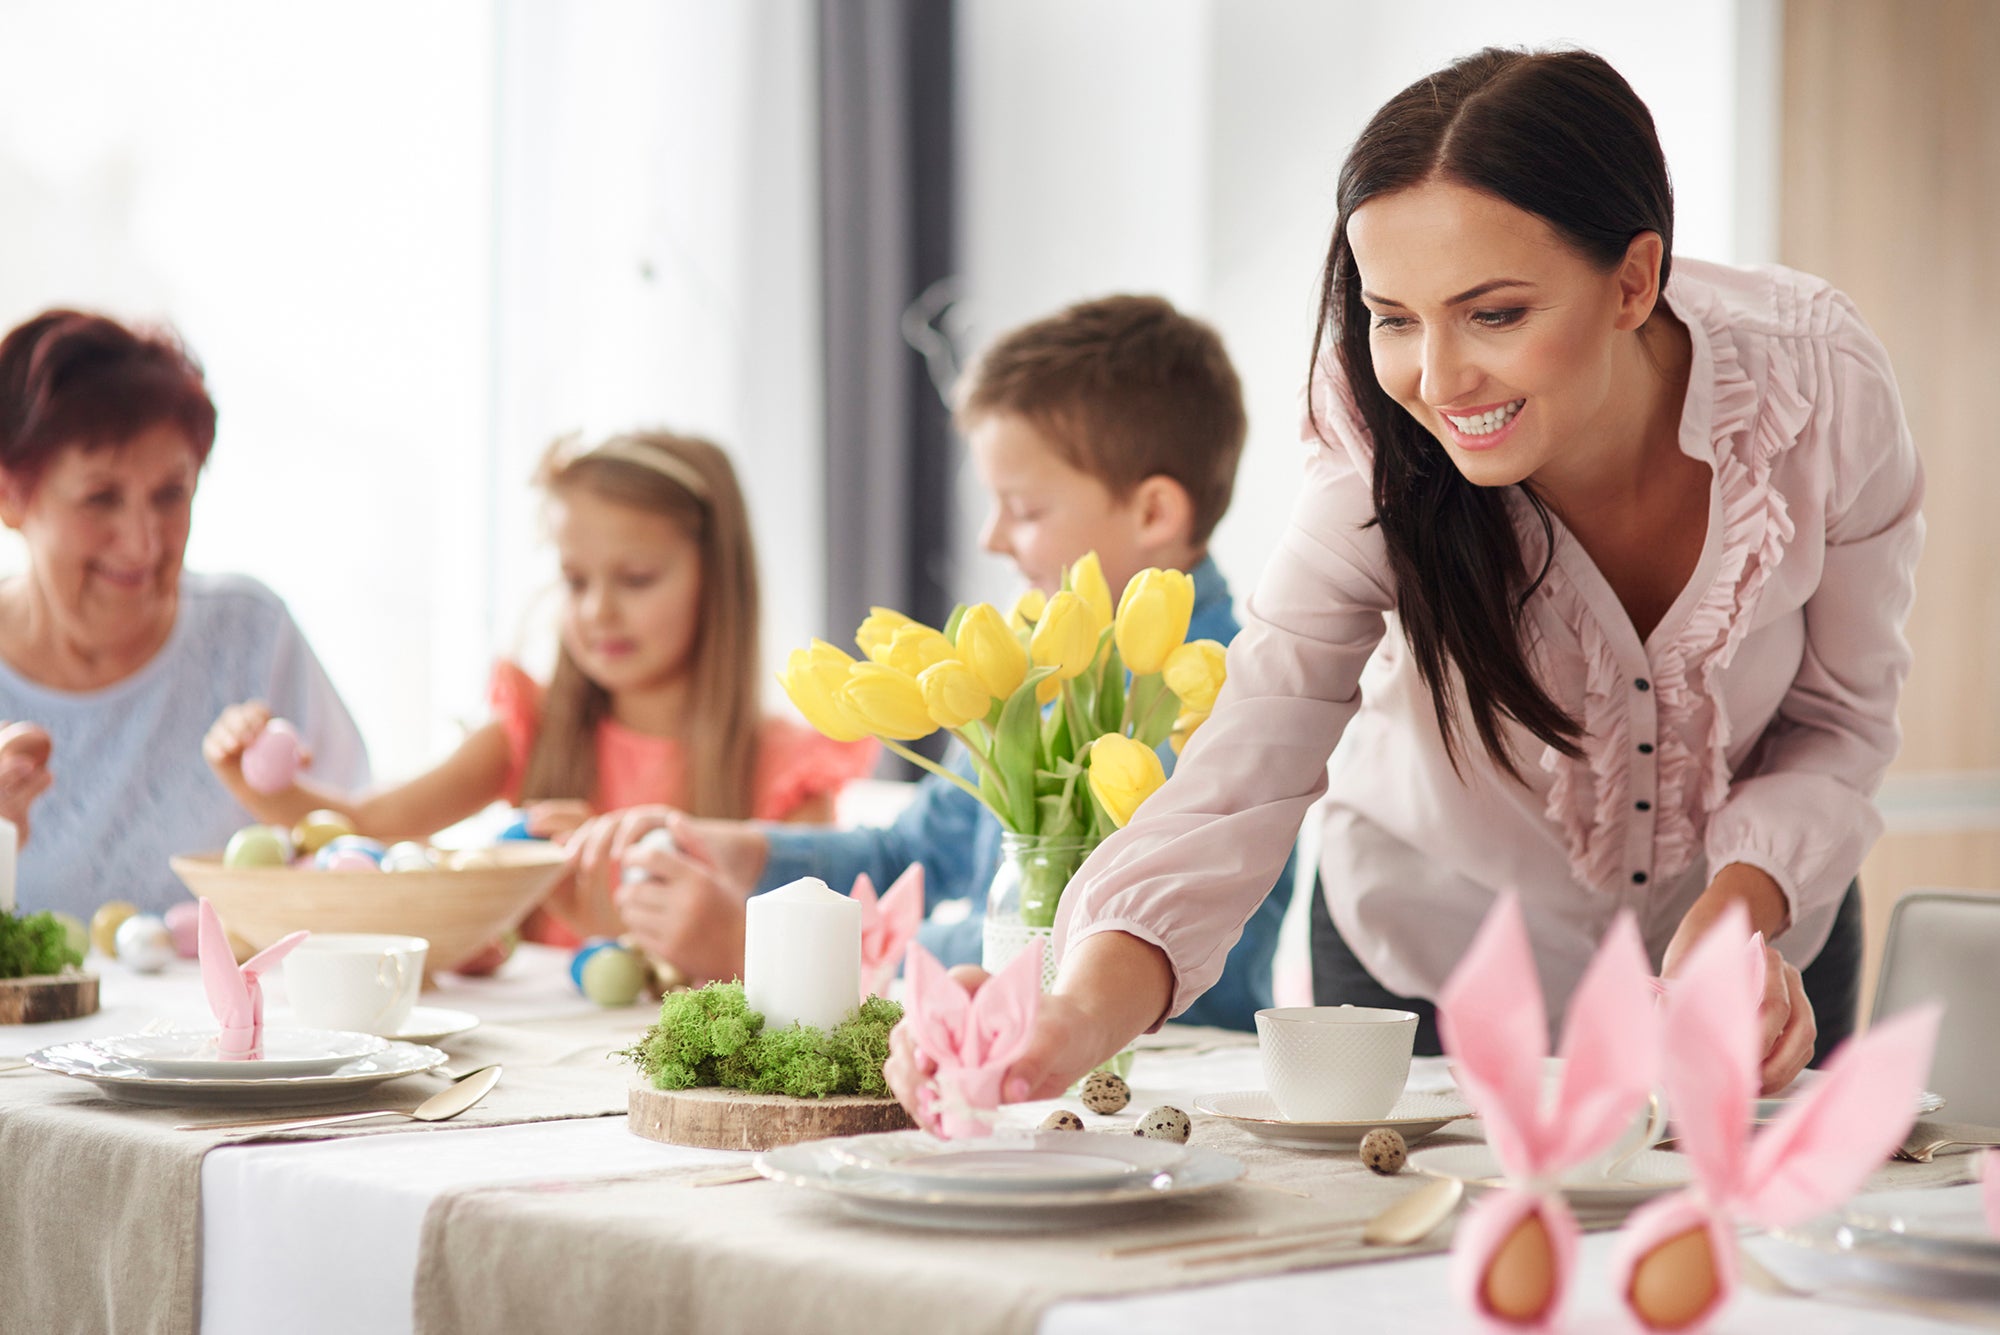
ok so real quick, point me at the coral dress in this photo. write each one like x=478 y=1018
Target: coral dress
x=795 y=765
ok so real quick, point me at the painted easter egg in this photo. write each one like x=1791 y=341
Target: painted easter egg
x=409 y=855
x=144 y=943
x=344 y=859
x=319 y=829
x=105 y=922
x=583 y=954
x=517 y=830
x=184 y=922
x=614 y=976
x=358 y=844
x=271 y=762
x=75 y=933
x=258 y=846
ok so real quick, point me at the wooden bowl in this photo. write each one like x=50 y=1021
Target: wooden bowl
x=458 y=908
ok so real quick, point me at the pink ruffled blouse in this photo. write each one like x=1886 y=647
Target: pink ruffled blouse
x=795 y=764
x=1752 y=725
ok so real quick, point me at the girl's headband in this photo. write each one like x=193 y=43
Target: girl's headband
x=651 y=454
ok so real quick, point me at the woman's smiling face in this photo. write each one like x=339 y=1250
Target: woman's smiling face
x=1490 y=329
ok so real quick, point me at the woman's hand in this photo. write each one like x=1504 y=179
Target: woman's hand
x=24 y=771
x=1112 y=987
x=1786 y=1014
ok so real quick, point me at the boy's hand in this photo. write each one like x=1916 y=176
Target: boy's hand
x=24 y=771
x=681 y=909
x=737 y=850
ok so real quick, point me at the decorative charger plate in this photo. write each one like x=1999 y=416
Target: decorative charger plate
x=815 y=1166
x=1933 y=1243
x=1415 y=1116
x=1647 y=1174
x=1030 y=1161
x=193 y=1054
x=86 y=1060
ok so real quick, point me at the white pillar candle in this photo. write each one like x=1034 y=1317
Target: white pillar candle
x=10 y=841
x=802 y=955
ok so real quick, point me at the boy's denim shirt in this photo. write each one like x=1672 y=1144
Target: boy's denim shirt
x=958 y=841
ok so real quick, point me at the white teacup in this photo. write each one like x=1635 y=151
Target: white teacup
x=1647 y=1128
x=1335 y=1063
x=359 y=981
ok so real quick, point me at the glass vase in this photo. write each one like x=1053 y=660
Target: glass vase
x=1021 y=904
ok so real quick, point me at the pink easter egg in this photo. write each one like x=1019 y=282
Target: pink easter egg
x=348 y=859
x=183 y=922
x=272 y=761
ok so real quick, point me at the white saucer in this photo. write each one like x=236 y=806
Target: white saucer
x=1769 y=1107
x=1415 y=1116
x=195 y=1055
x=1647 y=1174
x=1034 y=1161
x=85 y=1060
x=428 y=1024
x=862 y=1192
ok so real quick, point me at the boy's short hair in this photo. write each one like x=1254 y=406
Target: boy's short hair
x=1125 y=388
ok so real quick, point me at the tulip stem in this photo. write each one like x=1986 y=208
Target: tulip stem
x=925 y=762
x=979 y=758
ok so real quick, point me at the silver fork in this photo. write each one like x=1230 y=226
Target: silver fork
x=1923 y=1153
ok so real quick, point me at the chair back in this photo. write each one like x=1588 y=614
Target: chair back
x=1945 y=946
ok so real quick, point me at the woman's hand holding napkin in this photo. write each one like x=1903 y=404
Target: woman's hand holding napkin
x=888 y=925
x=967 y=1040
x=234 y=992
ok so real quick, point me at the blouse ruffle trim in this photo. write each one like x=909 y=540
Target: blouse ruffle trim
x=1588 y=799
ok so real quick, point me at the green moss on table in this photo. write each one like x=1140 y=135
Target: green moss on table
x=33 y=944
x=710 y=1036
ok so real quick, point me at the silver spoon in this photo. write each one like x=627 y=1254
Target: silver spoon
x=446 y=1103
x=1405 y=1221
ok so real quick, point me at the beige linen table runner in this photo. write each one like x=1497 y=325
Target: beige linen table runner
x=100 y=1200
x=656 y=1252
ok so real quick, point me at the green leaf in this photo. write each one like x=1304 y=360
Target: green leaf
x=1016 y=744
x=951 y=624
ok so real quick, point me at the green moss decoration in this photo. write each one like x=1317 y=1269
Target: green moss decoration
x=711 y=1037
x=33 y=944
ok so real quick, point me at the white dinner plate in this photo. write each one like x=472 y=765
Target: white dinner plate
x=428 y=1024
x=85 y=1060
x=815 y=1167
x=1415 y=1116
x=195 y=1055
x=1647 y=1174
x=1768 y=1108
x=1020 y=1161
x=1933 y=1243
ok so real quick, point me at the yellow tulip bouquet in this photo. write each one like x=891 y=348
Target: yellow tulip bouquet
x=1063 y=742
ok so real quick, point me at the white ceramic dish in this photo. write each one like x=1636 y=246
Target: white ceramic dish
x=813 y=1166
x=86 y=1061
x=1415 y=1116
x=1932 y=1243
x=1769 y=1108
x=1649 y=1173
x=1034 y=1161
x=428 y=1024
x=282 y=1052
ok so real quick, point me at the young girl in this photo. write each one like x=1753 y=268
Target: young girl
x=654 y=698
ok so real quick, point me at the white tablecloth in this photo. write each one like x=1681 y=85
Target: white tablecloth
x=322 y=1236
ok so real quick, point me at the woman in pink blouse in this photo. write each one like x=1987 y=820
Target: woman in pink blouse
x=1596 y=577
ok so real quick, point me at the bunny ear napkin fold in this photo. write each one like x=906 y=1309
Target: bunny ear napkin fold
x=234 y=992
x=973 y=1037
x=888 y=925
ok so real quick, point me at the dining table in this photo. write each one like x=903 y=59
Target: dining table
x=540 y=1209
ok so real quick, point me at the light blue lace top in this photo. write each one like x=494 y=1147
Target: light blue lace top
x=130 y=785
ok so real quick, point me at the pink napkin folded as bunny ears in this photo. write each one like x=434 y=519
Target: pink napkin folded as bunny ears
x=1816 y=1154
x=234 y=992
x=888 y=925
x=972 y=1037
x=1494 y=1027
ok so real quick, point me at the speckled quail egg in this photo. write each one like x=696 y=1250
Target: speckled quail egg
x=1104 y=1092
x=1062 y=1119
x=1383 y=1150
x=1165 y=1124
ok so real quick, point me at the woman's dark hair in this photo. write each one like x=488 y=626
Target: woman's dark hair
x=68 y=378
x=1558 y=134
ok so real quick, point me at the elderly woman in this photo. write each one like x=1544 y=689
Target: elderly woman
x=113 y=659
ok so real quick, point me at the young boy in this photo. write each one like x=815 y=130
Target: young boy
x=1115 y=426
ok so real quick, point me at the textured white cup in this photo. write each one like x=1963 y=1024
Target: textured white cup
x=1335 y=1063
x=359 y=981
x=1646 y=1129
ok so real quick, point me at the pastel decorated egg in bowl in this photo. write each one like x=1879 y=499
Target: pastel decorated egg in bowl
x=464 y=903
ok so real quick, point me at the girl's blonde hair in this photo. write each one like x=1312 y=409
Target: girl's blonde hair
x=689 y=481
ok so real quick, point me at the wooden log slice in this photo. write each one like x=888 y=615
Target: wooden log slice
x=48 y=996
x=733 y=1119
